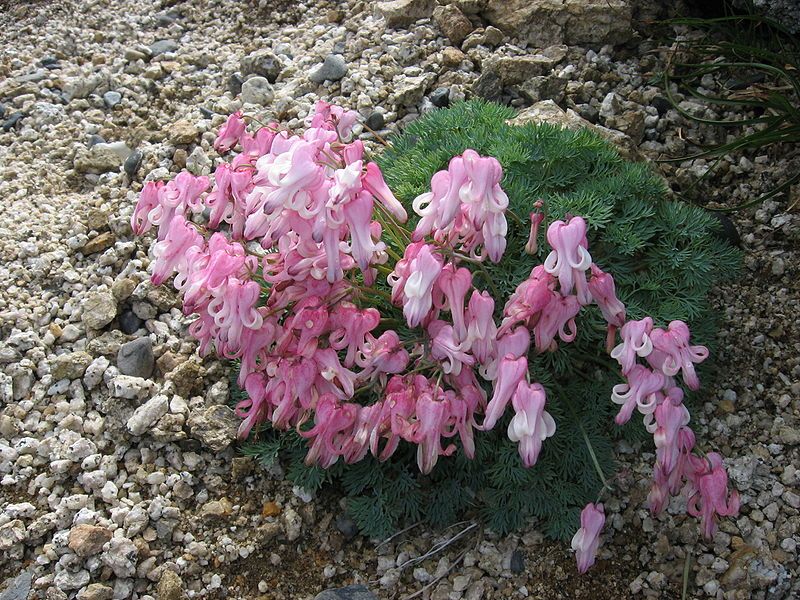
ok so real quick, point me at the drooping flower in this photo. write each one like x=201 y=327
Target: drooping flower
x=587 y=538
x=711 y=498
x=672 y=353
x=432 y=416
x=635 y=342
x=510 y=372
x=569 y=258
x=148 y=202
x=417 y=290
x=639 y=392
x=170 y=253
x=537 y=218
x=230 y=133
x=531 y=424
x=374 y=183
x=446 y=347
x=481 y=329
x=603 y=291
x=454 y=284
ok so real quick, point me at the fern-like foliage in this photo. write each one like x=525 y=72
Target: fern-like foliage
x=664 y=257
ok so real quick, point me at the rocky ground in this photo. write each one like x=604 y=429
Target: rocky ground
x=118 y=473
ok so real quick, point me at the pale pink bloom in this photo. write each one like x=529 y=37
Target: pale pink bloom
x=446 y=347
x=672 y=353
x=398 y=408
x=494 y=232
x=367 y=421
x=362 y=247
x=454 y=284
x=557 y=318
x=670 y=417
x=569 y=258
x=481 y=329
x=334 y=377
x=253 y=409
x=587 y=538
x=310 y=321
x=529 y=300
x=432 y=416
x=350 y=327
x=148 y=202
x=418 y=288
x=515 y=343
x=635 y=342
x=603 y=291
x=711 y=498
x=509 y=373
x=638 y=392
x=230 y=133
x=333 y=422
x=234 y=310
x=336 y=117
x=427 y=205
x=260 y=144
x=382 y=355
x=190 y=190
x=373 y=182
x=170 y=253
x=531 y=424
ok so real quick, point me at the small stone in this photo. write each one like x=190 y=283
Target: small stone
x=488 y=86
x=351 y=592
x=517 y=69
x=122 y=288
x=99 y=309
x=170 y=586
x=163 y=46
x=70 y=366
x=375 y=121
x=99 y=243
x=544 y=87
x=187 y=377
x=263 y=63
x=347 y=527
x=333 y=68
x=136 y=358
x=235 y=82
x=96 y=591
x=121 y=556
x=132 y=163
x=112 y=98
x=441 y=97
x=257 y=90
x=661 y=104
x=517 y=562
x=13 y=120
x=179 y=158
x=402 y=13
x=455 y=26
x=410 y=91
x=216 y=509
x=452 y=57
x=87 y=540
x=183 y=132
x=147 y=414
x=270 y=509
x=17 y=588
x=493 y=36
x=215 y=426
x=100 y=158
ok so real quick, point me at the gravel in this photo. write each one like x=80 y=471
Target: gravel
x=107 y=467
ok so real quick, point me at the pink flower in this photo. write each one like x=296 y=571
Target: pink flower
x=446 y=348
x=432 y=416
x=529 y=300
x=635 y=342
x=557 y=318
x=333 y=422
x=481 y=329
x=601 y=286
x=570 y=258
x=587 y=538
x=234 y=310
x=367 y=421
x=349 y=329
x=418 y=288
x=170 y=253
x=510 y=372
x=230 y=133
x=672 y=353
x=374 y=183
x=190 y=190
x=260 y=144
x=536 y=220
x=531 y=424
x=382 y=355
x=639 y=392
x=454 y=284
x=148 y=202
x=712 y=498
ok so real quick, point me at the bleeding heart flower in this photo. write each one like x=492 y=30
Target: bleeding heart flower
x=587 y=538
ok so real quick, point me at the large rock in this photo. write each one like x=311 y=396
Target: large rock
x=573 y=22
x=170 y=586
x=454 y=25
x=402 y=13
x=147 y=414
x=70 y=366
x=87 y=540
x=257 y=90
x=548 y=111
x=262 y=62
x=17 y=588
x=99 y=310
x=351 y=592
x=136 y=358
x=215 y=426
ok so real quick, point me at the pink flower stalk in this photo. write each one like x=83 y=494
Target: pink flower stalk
x=711 y=498
x=510 y=373
x=570 y=257
x=635 y=342
x=639 y=392
x=531 y=424
x=671 y=418
x=672 y=353
x=230 y=133
x=587 y=538
x=170 y=253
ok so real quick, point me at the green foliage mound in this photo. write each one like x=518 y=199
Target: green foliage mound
x=664 y=257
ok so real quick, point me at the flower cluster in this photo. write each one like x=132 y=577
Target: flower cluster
x=360 y=333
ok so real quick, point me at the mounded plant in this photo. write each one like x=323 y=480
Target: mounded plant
x=463 y=327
